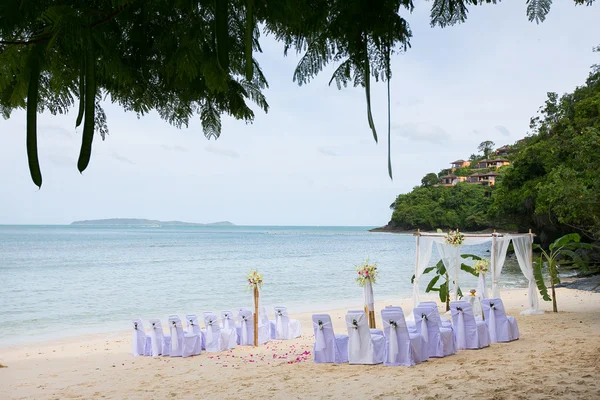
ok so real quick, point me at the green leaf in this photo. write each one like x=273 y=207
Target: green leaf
x=443 y=292
x=32 y=104
x=469 y=269
x=432 y=283
x=539 y=280
x=471 y=256
x=562 y=241
x=90 y=104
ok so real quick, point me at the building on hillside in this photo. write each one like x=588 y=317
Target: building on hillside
x=503 y=151
x=451 y=179
x=459 y=164
x=486 y=179
x=497 y=163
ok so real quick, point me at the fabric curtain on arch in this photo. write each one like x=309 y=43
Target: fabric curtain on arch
x=451 y=258
x=523 y=250
x=499 y=248
x=424 y=250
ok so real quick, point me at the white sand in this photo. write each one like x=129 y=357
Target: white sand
x=558 y=356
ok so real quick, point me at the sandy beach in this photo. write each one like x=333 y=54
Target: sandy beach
x=558 y=356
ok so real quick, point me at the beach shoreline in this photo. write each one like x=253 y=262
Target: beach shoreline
x=558 y=355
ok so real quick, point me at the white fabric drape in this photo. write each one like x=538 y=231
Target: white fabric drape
x=492 y=325
x=393 y=342
x=320 y=337
x=499 y=248
x=368 y=294
x=460 y=332
x=522 y=245
x=451 y=258
x=424 y=250
x=481 y=289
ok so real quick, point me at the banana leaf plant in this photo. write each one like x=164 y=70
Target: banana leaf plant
x=560 y=252
x=441 y=273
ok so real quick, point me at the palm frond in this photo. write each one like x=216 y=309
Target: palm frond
x=538 y=9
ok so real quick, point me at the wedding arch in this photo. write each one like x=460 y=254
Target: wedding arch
x=451 y=257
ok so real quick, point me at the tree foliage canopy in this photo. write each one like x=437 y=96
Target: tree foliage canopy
x=191 y=57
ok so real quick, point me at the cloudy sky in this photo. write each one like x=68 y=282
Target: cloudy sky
x=312 y=160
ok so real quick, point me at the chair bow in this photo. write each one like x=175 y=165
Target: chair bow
x=492 y=323
x=424 y=330
x=354 y=324
x=174 y=336
x=135 y=326
x=244 y=340
x=320 y=337
x=460 y=330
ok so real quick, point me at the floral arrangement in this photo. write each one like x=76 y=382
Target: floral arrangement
x=472 y=291
x=482 y=266
x=366 y=272
x=254 y=279
x=355 y=324
x=320 y=325
x=393 y=324
x=455 y=238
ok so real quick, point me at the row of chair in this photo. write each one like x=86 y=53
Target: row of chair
x=407 y=343
x=216 y=335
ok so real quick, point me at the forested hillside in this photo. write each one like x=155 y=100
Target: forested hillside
x=552 y=184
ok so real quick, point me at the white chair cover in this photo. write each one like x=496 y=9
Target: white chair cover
x=177 y=336
x=157 y=339
x=364 y=346
x=468 y=332
x=502 y=328
x=264 y=326
x=141 y=345
x=228 y=331
x=440 y=340
x=214 y=341
x=329 y=347
x=285 y=327
x=245 y=328
x=194 y=328
x=402 y=347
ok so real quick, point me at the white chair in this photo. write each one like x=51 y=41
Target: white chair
x=285 y=327
x=228 y=331
x=158 y=339
x=469 y=333
x=245 y=328
x=264 y=326
x=440 y=340
x=212 y=333
x=176 y=330
x=402 y=347
x=329 y=347
x=364 y=347
x=502 y=328
x=141 y=344
x=193 y=326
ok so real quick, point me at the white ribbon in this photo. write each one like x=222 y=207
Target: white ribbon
x=320 y=344
x=174 y=338
x=393 y=346
x=492 y=324
x=209 y=333
x=368 y=294
x=354 y=344
x=460 y=334
x=155 y=349
x=244 y=332
x=424 y=331
x=226 y=321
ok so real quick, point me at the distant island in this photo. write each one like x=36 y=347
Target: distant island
x=145 y=222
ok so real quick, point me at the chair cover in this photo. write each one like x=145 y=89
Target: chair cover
x=141 y=345
x=264 y=326
x=177 y=336
x=401 y=347
x=440 y=340
x=157 y=339
x=329 y=347
x=213 y=333
x=469 y=333
x=194 y=327
x=502 y=328
x=364 y=347
x=245 y=328
x=228 y=331
x=285 y=327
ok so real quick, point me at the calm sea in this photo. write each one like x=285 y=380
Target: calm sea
x=58 y=281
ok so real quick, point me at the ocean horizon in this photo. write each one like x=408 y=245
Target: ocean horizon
x=68 y=280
